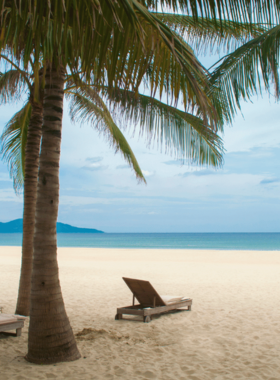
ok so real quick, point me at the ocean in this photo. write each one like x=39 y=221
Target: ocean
x=225 y=241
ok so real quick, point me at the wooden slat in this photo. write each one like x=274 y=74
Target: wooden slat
x=132 y=307
x=164 y=309
x=144 y=292
x=130 y=311
x=139 y=310
x=12 y=326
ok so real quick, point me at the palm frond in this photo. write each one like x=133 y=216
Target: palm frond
x=170 y=61
x=181 y=134
x=13 y=142
x=12 y=85
x=258 y=11
x=118 y=55
x=86 y=106
x=210 y=35
x=243 y=72
x=45 y=26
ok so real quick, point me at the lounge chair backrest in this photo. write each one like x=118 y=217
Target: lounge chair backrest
x=144 y=292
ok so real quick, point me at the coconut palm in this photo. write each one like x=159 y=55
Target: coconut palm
x=88 y=106
x=54 y=341
x=118 y=33
x=20 y=148
x=194 y=141
x=45 y=277
x=23 y=165
x=200 y=144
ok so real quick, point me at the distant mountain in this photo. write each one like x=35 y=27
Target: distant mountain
x=15 y=226
x=66 y=228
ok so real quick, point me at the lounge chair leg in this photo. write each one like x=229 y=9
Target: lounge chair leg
x=18 y=332
x=189 y=307
x=118 y=316
x=147 y=319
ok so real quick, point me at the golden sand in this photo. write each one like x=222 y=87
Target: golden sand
x=232 y=332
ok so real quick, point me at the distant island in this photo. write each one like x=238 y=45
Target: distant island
x=15 y=226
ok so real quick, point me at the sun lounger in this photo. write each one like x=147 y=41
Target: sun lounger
x=150 y=302
x=10 y=322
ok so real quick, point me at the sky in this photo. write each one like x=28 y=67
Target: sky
x=99 y=190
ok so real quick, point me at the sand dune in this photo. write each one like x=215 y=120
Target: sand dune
x=232 y=331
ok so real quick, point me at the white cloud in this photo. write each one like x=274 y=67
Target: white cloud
x=200 y=172
x=258 y=127
x=268 y=181
x=4 y=177
x=95 y=166
x=182 y=196
x=81 y=200
x=174 y=162
x=147 y=173
x=94 y=159
x=123 y=167
x=8 y=195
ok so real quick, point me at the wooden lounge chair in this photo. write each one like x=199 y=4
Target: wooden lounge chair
x=11 y=322
x=150 y=302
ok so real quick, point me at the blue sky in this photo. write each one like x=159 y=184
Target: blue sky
x=98 y=190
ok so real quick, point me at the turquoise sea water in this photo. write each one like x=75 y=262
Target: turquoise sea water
x=228 y=241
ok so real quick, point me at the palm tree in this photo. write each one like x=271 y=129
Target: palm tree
x=124 y=31
x=201 y=146
x=82 y=104
x=23 y=165
x=20 y=148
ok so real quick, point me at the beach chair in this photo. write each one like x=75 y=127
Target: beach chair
x=150 y=302
x=10 y=322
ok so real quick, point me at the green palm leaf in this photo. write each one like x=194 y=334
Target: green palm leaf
x=12 y=85
x=177 y=73
x=48 y=27
x=260 y=11
x=146 y=43
x=13 y=142
x=171 y=63
x=206 y=35
x=87 y=106
x=242 y=73
x=182 y=134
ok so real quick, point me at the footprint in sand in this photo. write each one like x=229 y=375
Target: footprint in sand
x=109 y=376
x=149 y=375
x=119 y=371
x=50 y=375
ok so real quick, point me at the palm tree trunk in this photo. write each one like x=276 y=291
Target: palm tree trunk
x=50 y=338
x=32 y=151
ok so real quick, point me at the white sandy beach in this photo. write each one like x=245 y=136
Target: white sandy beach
x=232 y=332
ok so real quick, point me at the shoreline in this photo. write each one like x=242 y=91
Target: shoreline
x=156 y=249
